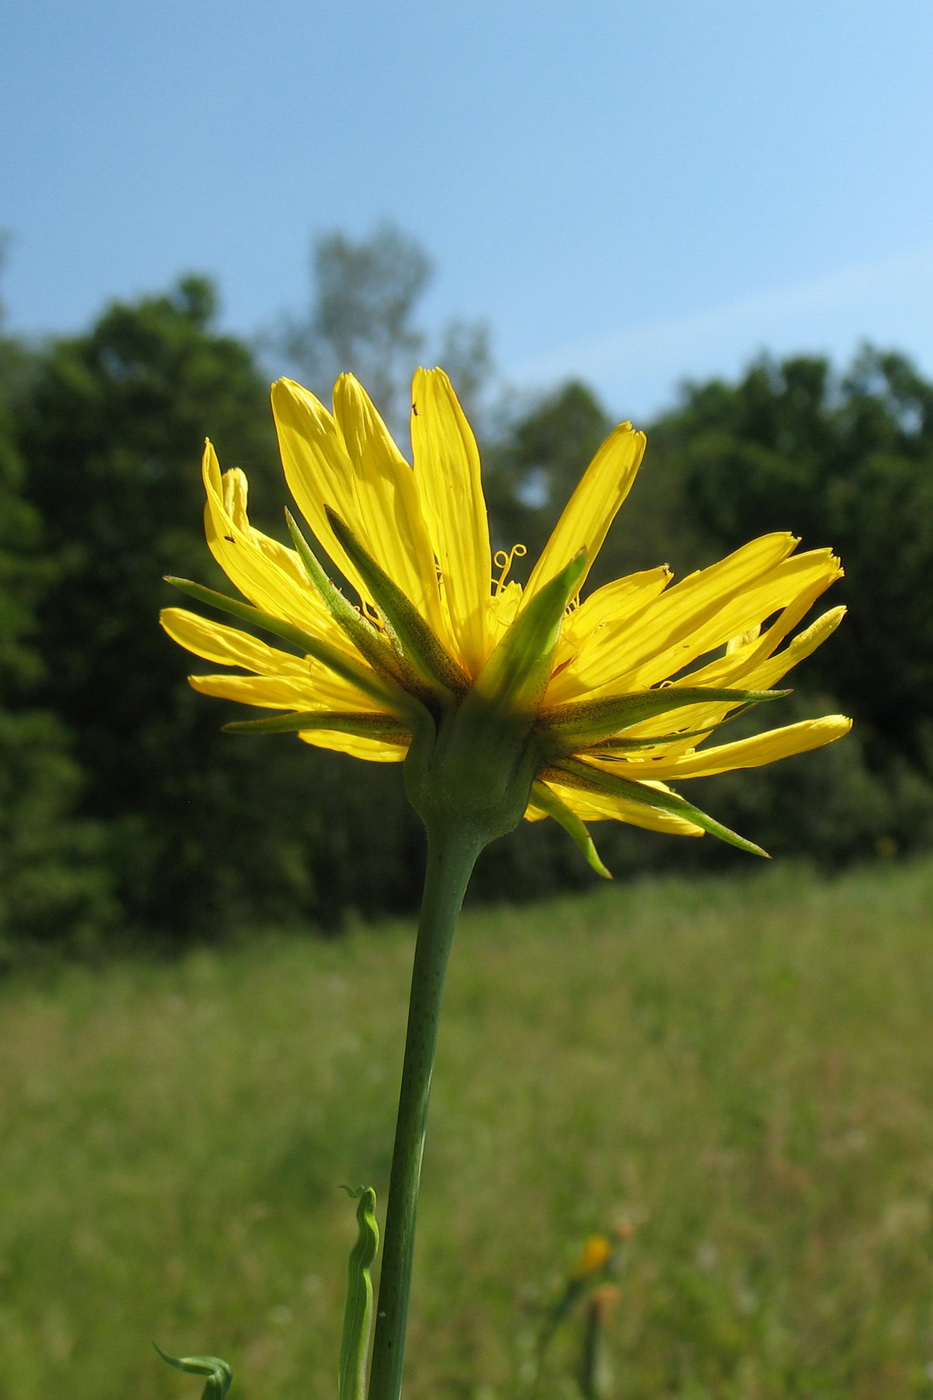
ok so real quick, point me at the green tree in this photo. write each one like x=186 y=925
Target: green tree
x=539 y=454
x=53 y=878
x=112 y=429
x=204 y=830
x=537 y=460
x=362 y=318
x=844 y=460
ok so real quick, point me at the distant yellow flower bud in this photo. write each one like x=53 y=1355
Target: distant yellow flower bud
x=595 y=1255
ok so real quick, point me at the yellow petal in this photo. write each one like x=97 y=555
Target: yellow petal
x=776 y=667
x=593 y=505
x=389 y=519
x=268 y=692
x=615 y=602
x=318 y=687
x=608 y=652
x=732 y=672
x=353 y=467
x=756 y=651
x=593 y=633
x=698 y=616
x=596 y=806
x=744 y=753
x=317 y=467
x=227 y=646
x=354 y=745
x=254 y=570
x=762 y=676
x=699 y=624
x=235 y=494
x=502 y=610
x=447 y=469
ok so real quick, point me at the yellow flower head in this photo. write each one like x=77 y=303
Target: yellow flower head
x=594 y=1256
x=529 y=697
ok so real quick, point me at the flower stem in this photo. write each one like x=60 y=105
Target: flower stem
x=452 y=852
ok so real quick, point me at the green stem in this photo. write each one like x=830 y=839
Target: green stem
x=452 y=854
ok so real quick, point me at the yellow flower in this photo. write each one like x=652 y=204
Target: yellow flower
x=584 y=710
x=594 y=1256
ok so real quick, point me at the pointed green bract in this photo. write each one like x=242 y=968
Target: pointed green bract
x=407 y=629
x=618 y=747
x=546 y=798
x=365 y=726
x=329 y=656
x=377 y=651
x=575 y=773
x=590 y=722
x=516 y=675
x=358 y=1313
x=218 y=1373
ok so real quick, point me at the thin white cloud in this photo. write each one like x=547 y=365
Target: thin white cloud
x=857 y=296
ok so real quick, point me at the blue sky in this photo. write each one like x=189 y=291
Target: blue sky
x=630 y=193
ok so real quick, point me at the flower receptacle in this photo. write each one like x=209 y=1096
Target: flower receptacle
x=472 y=770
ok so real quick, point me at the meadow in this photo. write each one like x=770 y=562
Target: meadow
x=738 y=1071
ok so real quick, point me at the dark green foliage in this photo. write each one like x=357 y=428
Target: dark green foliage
x=847 y=463
x=113 y=429
x=55 y=881
x=197 y=829
x=535 y=464
x=23 y=574
x=52 y=872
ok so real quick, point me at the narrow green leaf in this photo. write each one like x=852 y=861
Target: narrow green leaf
x=377 y=651
x=574 y=773
x=357 y=1318
x=546 y=798
x=329 y=656
x=590 y=722
x=410 y=634
x=218 y=1373
x=368 y=726
x=618 y=748
x=516 y=675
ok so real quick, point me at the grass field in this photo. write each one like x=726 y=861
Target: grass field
x=741 y=1068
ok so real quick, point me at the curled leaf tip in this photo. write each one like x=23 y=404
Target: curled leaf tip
x=355 y=1192
x=218 y=1372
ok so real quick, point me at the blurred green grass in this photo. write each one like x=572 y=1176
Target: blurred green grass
x=742 y=1067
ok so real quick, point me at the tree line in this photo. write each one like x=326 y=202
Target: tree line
x=127 y=816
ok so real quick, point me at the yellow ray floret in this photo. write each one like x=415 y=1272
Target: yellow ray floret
x=604 y=698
